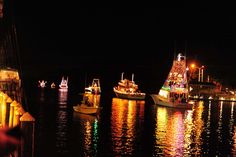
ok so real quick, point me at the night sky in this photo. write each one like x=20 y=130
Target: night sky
x=59 y=35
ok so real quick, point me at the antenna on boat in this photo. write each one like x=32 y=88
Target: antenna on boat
x=122 y=75
x=132 y=77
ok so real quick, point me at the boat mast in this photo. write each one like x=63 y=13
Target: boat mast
x=185 y=59
x=132 y=77
x=122 y=75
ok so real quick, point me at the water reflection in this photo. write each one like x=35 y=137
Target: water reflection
x=198 y=124
x=89 y=126
x=175 y=129
x=219 y=130
x=62 y=98
x=169 y=133
x=231 y=121
x=62 y=121
x=126 y=125
x=42 y=96
x=188 y=125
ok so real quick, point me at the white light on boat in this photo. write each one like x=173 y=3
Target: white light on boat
x=232 y=98
x=222 y=98
x=163 y=93
x=190 y=88
x=210 y=98
x=191 y=102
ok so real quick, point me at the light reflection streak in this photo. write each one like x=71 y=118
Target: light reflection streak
x=232 y=130
x=234 y=145
x=62 y=120
x=126 y=115
x=62 y=98
x=198 y=128
x=208 y=129
x=178 y=132
x=169 y=133
x=89 y=126
x=231 y=121
x=219 y=129
x=188 y=125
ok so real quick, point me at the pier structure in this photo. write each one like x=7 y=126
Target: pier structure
x=13 y=111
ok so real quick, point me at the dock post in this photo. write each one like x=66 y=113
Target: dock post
x=3 y=105
x=12 y=113
x=27 y=126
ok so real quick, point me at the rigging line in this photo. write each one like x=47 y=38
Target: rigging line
x=20 y=68
x=13 y=29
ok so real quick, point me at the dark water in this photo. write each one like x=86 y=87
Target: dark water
x=130 y=128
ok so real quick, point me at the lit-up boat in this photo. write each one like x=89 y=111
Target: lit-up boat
x=53 y=85
x=63 y=86
x=94 y=88
x=42 y=84
x=127 y=89
x=89 y=105
x=174 y=92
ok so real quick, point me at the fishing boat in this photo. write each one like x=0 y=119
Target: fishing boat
x=42 y=84
x=174 y=92
x=63 y=86
x=89 y=104
x=127 y=89
x=94 y=88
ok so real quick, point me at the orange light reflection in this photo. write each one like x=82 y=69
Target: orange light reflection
x=125 y=114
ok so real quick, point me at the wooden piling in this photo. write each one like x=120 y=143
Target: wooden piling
x=3 y=109
x=12 y=112
x=27 y=144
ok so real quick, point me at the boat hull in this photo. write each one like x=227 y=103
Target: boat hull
x=158 y=100
x=130 y=96
x=86 y=109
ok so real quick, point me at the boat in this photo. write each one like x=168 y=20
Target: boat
x=42 y=84
x=63 y=86
x=89 y=104
x=127 y=89
x=94 y=88
x=174 y=92
x=53 y=85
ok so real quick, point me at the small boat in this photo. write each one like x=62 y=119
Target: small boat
x=53 y=85
x=63 y=86
x=89 y=105
x=42 y=84
x=94 y=88
x=127 y=89
x=174 y=92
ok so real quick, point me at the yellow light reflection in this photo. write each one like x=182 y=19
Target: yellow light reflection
x=188 y=125
x=89 y=127
x=87 y=135
x=126 y=115
x=234 y=145
x=219 y=129
x=198 y=128
x=231 y=123
x=169 y=133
